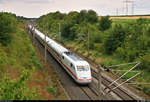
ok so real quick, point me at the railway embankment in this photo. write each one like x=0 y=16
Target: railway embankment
x=22 y=70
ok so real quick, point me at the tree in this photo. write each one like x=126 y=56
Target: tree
x=92 y=16
x=58 y=15
x=66 y=29
x=73 y=32
x=7 y=26
x=72 y=17
x=115 y=38
x=104 y=23
x=82 y=17
x=87 y=16
x=70 y=26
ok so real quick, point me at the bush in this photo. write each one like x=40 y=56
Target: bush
x=98 y=47
x=51 y=90
x=104 y=23
x=142 y=21
x=120 y=52
x=115 y=38
x=16 y=89
x=7 y=26
x=145 y=62
x=3 y=57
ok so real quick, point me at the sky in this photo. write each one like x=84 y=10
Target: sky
x=37 y=8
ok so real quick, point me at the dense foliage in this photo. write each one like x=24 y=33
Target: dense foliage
x=15 y=89
x=7 y=26
x=129 y=41
x=105 y=23
x=71 y=23
x=17 y=60
x=137 y=42
x=115 y=38
x=117 y=41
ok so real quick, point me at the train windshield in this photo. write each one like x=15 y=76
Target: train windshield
x=82 y=68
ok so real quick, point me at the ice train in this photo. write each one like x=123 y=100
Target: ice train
x=77 y=68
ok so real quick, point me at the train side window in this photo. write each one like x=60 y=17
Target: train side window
x=73 y=67
x=62 y=57
x=71 y=64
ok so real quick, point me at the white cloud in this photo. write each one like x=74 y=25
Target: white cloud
x=36 y=8
x=27 y=1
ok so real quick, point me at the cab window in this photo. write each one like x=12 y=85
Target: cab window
x=82 y=68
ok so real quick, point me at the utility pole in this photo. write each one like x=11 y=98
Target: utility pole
x=122 y=10
x=59 y=33
x=46 y=45
x=127 y=1
x=132 y=7
x=117 y=11
x=126 y=6
x=33 y=32
x=45 y=48
x=99 y=81
x=88 y=43
x=34 y=35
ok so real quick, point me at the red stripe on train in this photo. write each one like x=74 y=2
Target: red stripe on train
x=62 y=63
x=65 y=65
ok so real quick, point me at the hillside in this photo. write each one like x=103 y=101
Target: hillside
x=22 y=70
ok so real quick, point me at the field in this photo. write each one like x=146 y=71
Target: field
x=134 y=17
x=126 y=19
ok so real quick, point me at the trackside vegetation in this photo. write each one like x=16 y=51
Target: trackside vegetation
x=111 y=41
x=15 y=68
x=7 y=26
x=22 y=76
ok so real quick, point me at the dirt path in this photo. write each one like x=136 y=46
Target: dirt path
x=135 y=17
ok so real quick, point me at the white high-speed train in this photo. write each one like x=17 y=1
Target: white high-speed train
x=77 y=68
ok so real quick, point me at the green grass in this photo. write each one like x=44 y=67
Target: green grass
x=51 y=90
x=20 y=56
x=123 y=20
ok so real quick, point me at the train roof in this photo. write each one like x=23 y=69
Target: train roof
x=74 y=56
x=60 y=49
x=75 y=59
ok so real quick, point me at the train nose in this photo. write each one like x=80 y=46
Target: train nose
x=85 y=81
x=84 y=76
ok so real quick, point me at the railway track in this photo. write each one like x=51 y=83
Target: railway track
x=90 y=92
x=121 y=93
x=75 y=91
